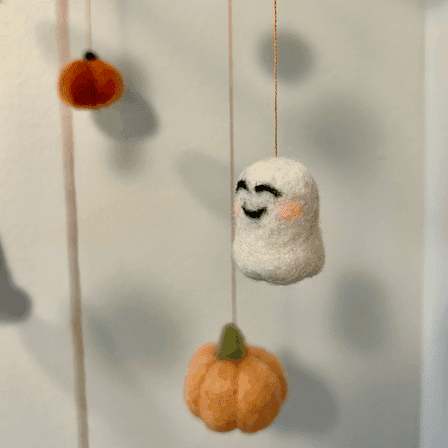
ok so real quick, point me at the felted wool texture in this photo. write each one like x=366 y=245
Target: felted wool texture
x=277 y=234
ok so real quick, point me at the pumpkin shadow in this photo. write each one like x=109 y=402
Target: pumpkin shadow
x=360 y=318
x=294 y=59
x=205 y=178
x=385 y=411
x=130 y=338
x=135 y=332
x=45 y=32
x=109 y=390
x=310 y=406
x=129 y=121
x=47 y=343
x=15 y=305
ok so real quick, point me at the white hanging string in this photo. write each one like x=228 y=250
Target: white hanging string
x=232 y=163
x=63 y=41
x=275 y=72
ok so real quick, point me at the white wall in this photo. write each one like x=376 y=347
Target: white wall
x=435 y=369
x=152 y=177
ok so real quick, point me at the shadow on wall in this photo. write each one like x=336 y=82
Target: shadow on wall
x=310 y=407
x=15 y=306
x=135 y=335
x=360 y=317
x=208 y=180
x=135 y=332
x=439 y=422
x=385 y=411
x=433 y=4
x=294 y=60
x=442 y=221
x=128 y=122
x=45 y=35
x=51 y=346
x=340 y=137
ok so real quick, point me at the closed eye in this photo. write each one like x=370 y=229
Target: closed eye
x=241 y=184
x=264 y=187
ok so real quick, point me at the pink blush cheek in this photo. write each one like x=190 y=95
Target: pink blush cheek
x=237 y=208
x=289 y=210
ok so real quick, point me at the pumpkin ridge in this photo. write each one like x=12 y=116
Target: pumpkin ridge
x=215 y=402
x=274 y=364
x=194 y=404
x=200 y=384
x=247 y=370
x=259 y=416
x=82 y=81
x=104 y=97
x=245 y=393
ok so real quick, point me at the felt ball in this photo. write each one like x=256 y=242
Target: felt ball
x=90 y=83
x=235 y=385
x=277 y=234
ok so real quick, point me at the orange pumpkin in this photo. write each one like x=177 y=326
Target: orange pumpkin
x=235 y=386
x=90 y=83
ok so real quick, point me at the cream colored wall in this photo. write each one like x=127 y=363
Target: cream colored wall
x=154 y=232
x=435 y=367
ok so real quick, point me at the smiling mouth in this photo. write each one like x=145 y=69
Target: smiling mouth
x=254 y=214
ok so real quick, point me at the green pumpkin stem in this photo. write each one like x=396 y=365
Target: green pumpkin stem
x=231 y=344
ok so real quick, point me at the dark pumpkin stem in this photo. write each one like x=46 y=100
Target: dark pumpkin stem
x=231 y=344
x=89 y=56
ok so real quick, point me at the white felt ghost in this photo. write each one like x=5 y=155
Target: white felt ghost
x=277 y=235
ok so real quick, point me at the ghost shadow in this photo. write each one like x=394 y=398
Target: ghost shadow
x=341 y=137
x=15 y=305
x=360 y=315
x=206 y=177
x=294 y=58
x=310 y=407
x=128 y=122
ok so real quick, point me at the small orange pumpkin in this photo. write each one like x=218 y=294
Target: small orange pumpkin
x=235 y=386
x=90 y=83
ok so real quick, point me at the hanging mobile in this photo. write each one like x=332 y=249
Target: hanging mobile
x=90 y=83
x=233 y=385
x=277 y=235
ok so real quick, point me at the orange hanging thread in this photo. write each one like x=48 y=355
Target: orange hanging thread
x=234 y=385
x=90 y=83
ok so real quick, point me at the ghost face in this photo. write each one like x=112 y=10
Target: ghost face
x=255 y=207
x=276 y=217
x=271 y=197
